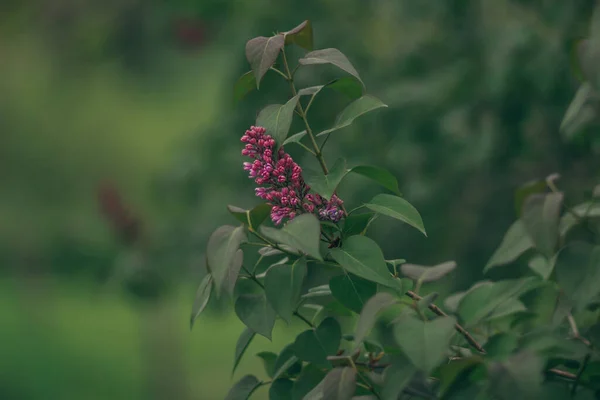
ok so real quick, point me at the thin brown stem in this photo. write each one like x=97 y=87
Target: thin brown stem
x=457 y=326
x=562 y=374
x=575 y=331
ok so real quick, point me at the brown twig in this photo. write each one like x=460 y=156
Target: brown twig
x=458 y=327
x=575 y=331
x=562 y=374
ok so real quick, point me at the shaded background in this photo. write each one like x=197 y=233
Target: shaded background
x=117 y=116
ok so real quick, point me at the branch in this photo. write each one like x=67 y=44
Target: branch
x=459 y=328
x=575 y=331
x=562 y=374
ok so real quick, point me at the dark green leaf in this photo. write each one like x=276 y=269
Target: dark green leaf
x=330 y=56
x=202 y=298
x=424 y=343
x=452 y=302
x=368 y=316
x=339 y=384
x=581 y=111
x=451 y=373
x=302 y=36
x=583 y=211
x=277 y=119
x=268 y=359
x=352 y=291
x=519 y=377
x=244 y=85
x=295 y=138
x=283 y=284
x=526 y=190
x=541 y=213
x=427 y=274
x=516 y=241
x=309 y=378
x=240 y=348
x=256 y=313
x=287 y=363
x=396 y=377
x=316 y=393
x=234 y=271
x=281 y=389
x=501 y=345
x=354 y=110
x=314 y=345
x=398 y=208
x=578 y=273
x=221 y=252
x=356 y=224
x=508 y=307
x=252 y=218
x=243 y=388
x=541 y=266
x=379 y=175
x=261 y=53
x=325 y=185
x=269 y=251
x=301 y=233
x=348 y=86
x=361 y=256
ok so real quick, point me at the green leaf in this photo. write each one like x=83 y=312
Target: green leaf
x=256 y=313
x=287 y=363
x=348 y=86
x=261 y=53
x=451 y=373
x=516 y=241
x=221 y=252
x=581 y=112
x=202 y=298
x=302 y=36
x=234 y=271
x=252 y=218
x=301 y=233
x=281 y=389
x=501 y=345
x=353 y=292
x=361 y=256
x=309 y=378
x=244 y=85
x=379 y=175
x=325 y=185
x=519 y=377
x=509 y=307
x=541 y=266
x=427 y=274
x=354 y=110
x=316 y=393
x=283 y=284
x=240 y=347
x=243 y=388
x=268 y=359
x=396 y=377
x=578 y=273
x=368 y=316
x=541 y=213
x=583 y=211
x=356 y=224
x=339 y=384
x=526 y=190
x=295 y=138
x=398 y=208
x=277 y=119
x=314 y=345
x=424 y=343
x=330 y=56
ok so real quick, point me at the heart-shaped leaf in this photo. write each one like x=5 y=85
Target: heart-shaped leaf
x=302 y=36
x=424 y=343
x=309 y=378
x=330 y=56
x=578 y=273
x=280 y=389
x=354 y=110
x=240 y=348
x=301 y=233
x=221 y=252
x=427 y=274
x=314 y=345
x=262 y=52
x=368 y=316
x=339 y=384
x=398 y=208
x=325 y=185
x=244 y=85
x=361 y=256
x=283 y=284
x=353 y=292
x=256 y=313
x=202 y=298
x=379 y=175
x=516 y=241
x=287 y=363
x=243 y=389
x=277 y=119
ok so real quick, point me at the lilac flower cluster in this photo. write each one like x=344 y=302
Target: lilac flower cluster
x=281 y=181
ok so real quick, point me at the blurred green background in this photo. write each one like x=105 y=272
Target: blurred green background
x=136 y=96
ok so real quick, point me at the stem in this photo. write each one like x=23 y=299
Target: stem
x=575 y=331
x=367 y=385
x=459 y=328
x=306 y=321
x=562 y=374
x=579 y=373
x=279 y=72
x=253 y=277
